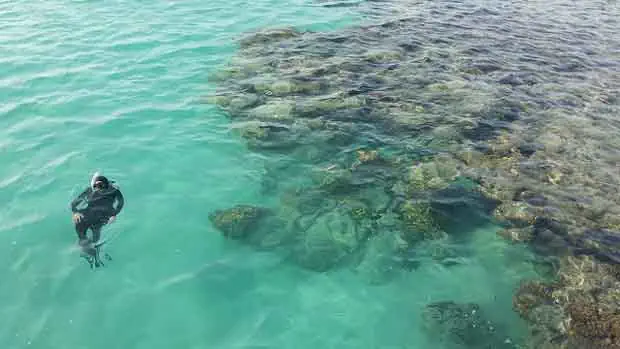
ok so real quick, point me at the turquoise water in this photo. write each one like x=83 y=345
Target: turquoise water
x=119 y=87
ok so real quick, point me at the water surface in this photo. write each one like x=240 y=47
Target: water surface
x=120 y=87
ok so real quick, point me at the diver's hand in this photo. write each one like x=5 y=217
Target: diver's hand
x=77 y=217
x=112 y=219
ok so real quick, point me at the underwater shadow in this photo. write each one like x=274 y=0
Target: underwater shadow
x=460 y=210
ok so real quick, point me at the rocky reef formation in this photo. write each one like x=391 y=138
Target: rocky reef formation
x=238 y=222
x=464 y=326
x=404 y=135
x=578 y=310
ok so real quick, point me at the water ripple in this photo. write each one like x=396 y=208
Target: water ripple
x=89 y=85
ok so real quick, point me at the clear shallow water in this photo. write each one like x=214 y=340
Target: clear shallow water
x=118 y=87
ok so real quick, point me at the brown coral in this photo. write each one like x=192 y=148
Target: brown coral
x=516 y=234
x=579 y=310
x=237 y=222
x=530 y=295
x=518 y=213
x=419 y=223
x=367 y=155
x=588 y=320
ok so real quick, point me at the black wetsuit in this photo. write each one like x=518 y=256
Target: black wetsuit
x=99 y=209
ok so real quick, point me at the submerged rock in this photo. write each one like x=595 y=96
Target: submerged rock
x=273 y=110
x=551 y=172
x=319 y=106
x=239 y=221
x=328 y=242
x=517 y=234
x=335 y=181
x=222 y=101
x=288 y=87
x=434 y=251
x=376 y=56
x=538 y=303
x=581 y=309
x=418 y=223
x=433 y=175
x=517 y=213
x=464 y=325
x=460 y=208
x=602 y=244
x=254 y=132
x=593 y=324
x=531 y=295
x=378 y=264
x=243 y=102
x=269 y=36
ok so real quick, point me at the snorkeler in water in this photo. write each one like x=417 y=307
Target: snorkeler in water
x=99 y=200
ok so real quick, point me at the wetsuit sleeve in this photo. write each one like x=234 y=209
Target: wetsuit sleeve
x=78 y=200
x=121 y=202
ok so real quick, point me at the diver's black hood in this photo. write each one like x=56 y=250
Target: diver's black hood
x=100 y=178
x=103 y=179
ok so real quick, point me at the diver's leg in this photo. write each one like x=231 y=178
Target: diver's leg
x=96 y=229
x=80 y=228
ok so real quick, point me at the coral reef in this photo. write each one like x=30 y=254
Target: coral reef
x=239 y=221
x=329 y=240
x=463 y=326
x=418 y=222
x=581 y=309
x=405 y=137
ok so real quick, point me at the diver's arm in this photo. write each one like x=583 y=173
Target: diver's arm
x=121 y=202
x=78 y=200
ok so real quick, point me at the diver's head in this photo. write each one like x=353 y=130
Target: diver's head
x=100 y=182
